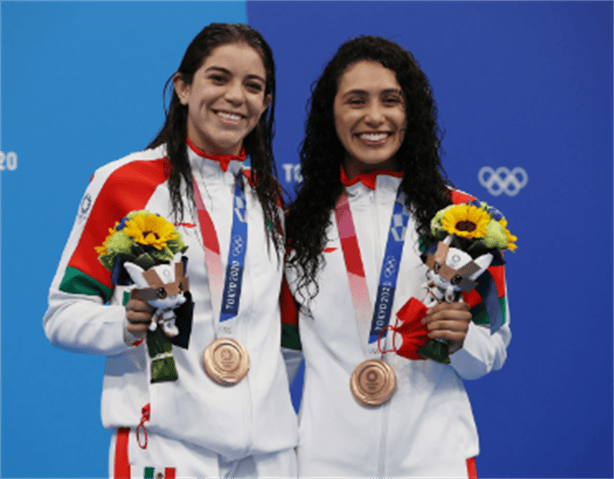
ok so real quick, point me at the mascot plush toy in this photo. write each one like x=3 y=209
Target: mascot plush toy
x=470 y=239
x=163 y=287
x=452 y=271
x=145 y=249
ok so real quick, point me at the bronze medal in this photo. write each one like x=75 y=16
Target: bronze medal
x=373 y=383
x=226 y=361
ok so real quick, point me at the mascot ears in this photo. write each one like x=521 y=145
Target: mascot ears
x=139 y=275
x=136 y=274
x=483 y=262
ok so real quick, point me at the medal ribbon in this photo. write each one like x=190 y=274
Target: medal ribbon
x=389 y=271
x=236 y=255
x=230 y=292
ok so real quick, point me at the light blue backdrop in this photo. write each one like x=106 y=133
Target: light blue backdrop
x=81 y=85
x=518 y=84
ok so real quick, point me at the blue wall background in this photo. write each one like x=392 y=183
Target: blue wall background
x=518 y=84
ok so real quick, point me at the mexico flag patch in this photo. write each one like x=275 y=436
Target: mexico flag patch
x=159 y=473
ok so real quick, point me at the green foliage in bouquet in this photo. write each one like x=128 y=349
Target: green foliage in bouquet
x=474 y=224
x=141 y=237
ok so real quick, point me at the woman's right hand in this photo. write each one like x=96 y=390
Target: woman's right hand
x=139 y=314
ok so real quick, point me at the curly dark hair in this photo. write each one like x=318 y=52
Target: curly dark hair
x=258 y=143
x=322 y=153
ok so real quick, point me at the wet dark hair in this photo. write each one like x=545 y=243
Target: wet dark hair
x=257 y=144
x=322 y=154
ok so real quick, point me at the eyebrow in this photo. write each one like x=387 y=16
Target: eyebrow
x=364 y=92
x=228 y=72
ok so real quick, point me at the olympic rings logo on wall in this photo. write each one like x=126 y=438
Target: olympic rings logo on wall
x=502 y=180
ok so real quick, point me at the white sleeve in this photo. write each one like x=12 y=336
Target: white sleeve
x=482 y=352
x=83 y=324
x=77 y=318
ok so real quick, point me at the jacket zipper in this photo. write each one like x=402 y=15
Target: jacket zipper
x=376 y=244
x=381 y=463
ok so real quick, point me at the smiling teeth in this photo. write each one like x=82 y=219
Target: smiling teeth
x=373 y=136
x=229 y=116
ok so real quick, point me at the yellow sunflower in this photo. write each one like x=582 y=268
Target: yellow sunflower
x=511 y=239
x=465 y=220
x=150 y=229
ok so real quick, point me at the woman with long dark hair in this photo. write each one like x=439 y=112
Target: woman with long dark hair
x=372 y=182
x=212 y=399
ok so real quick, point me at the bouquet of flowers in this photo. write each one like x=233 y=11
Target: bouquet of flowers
x=471 y=237
x=480 y=225
x=141 y=238
x=145 y=249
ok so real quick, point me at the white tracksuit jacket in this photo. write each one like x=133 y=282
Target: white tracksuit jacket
x=427 y=428
x=252 y=417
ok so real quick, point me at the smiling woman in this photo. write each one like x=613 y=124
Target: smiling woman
x=180 y=399
x=369 y=117
x=372 y=182
x=226 y=98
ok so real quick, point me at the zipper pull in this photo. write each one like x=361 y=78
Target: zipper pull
x=146 y=413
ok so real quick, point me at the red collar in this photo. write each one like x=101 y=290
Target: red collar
x=368 y=179
x=223 y=160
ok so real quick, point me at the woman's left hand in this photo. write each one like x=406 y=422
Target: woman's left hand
x=448 y=321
